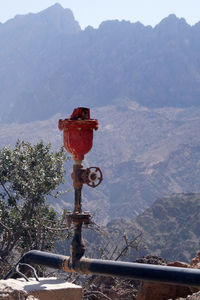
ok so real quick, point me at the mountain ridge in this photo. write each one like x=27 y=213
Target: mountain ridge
x=47 y=61
x=49 y=12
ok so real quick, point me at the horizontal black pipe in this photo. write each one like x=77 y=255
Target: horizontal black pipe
x=47 y=259
x=146 y=272
x=36 y=257
x=154 y=273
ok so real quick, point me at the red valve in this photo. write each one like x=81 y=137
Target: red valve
x=78 y=138
x=78 y=132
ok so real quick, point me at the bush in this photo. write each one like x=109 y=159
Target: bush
x=28 y=174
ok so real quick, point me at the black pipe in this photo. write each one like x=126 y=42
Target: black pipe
x=145 y=272
x=47 y=259
x=154 y=273
x=36 y=257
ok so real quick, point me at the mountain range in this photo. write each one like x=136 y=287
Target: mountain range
x=141 y=83
x=49 y=65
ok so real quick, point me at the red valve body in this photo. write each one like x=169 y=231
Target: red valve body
x=78 y=134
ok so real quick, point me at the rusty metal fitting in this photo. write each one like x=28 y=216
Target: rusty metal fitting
x=76 y=218
x=77 y=176
x=77 y=247
x=91 y=176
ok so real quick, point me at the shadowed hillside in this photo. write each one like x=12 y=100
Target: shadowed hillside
x=170 y=228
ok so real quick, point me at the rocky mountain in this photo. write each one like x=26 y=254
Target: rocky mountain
x=49 y=65
x=172 y=226
x=143 y=153
x=142 y=84
x=169 y=229
x=31 y=47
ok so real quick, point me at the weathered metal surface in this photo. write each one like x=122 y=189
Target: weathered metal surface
x=77 y=247
x=78 y=132
x=78 y=139
x=91 y=176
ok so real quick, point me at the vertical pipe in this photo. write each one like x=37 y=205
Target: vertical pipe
x=77 y=200
x=77 y=247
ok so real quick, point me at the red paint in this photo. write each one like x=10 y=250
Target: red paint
x=78 y=132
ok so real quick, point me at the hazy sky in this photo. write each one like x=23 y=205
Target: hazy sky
x=93 y=12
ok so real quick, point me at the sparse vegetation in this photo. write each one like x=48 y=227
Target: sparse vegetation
x=27 y=175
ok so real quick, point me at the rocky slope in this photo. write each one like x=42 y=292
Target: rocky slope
x=143 y=153
x=170 y=227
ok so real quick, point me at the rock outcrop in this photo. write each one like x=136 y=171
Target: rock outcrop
x=46 y=289
x=196 y=261
x=195 y=296
x=9 y=293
